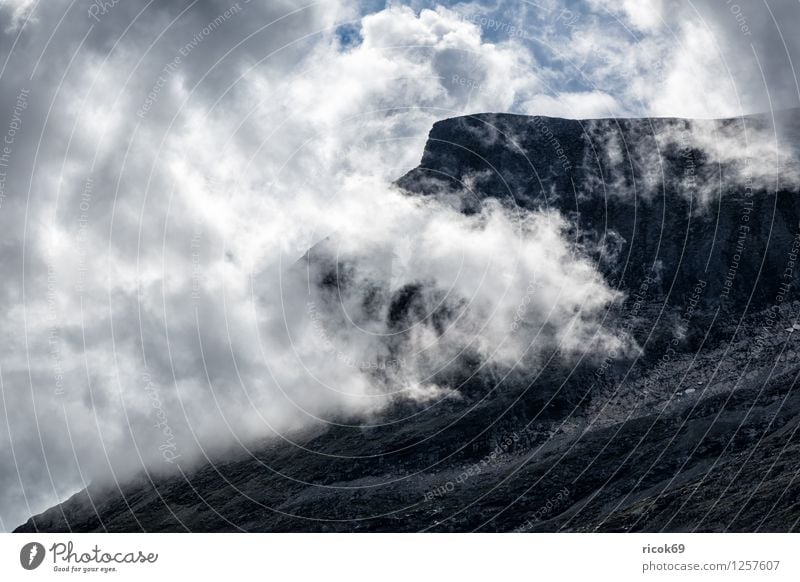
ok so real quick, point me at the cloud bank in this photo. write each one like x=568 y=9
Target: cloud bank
x=170 y=170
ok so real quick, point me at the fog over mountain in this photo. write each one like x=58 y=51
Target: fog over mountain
x=500 y=329
x=277 y=266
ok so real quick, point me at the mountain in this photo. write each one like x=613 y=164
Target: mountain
x=698 y=223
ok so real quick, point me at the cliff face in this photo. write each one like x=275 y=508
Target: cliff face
x=697 y=222
x=671 y=199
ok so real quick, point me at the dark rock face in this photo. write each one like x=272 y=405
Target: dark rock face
x=698 y=433
x=644 y=191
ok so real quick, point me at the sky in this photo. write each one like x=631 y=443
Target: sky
x=164 y=164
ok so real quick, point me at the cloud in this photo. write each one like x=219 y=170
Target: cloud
x=701 y=160
x=583 y=105
x=501 y=283
x=164 y=185
x=18 y=12
x=646 y=16
x=163 y=188
x=699 y=59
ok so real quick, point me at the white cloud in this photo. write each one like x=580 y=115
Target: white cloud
x=19 y=11
x=584 y=105
x=701 y=59
x=176 y=322
x=644 y=15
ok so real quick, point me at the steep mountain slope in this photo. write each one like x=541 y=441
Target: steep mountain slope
x=698 y=223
